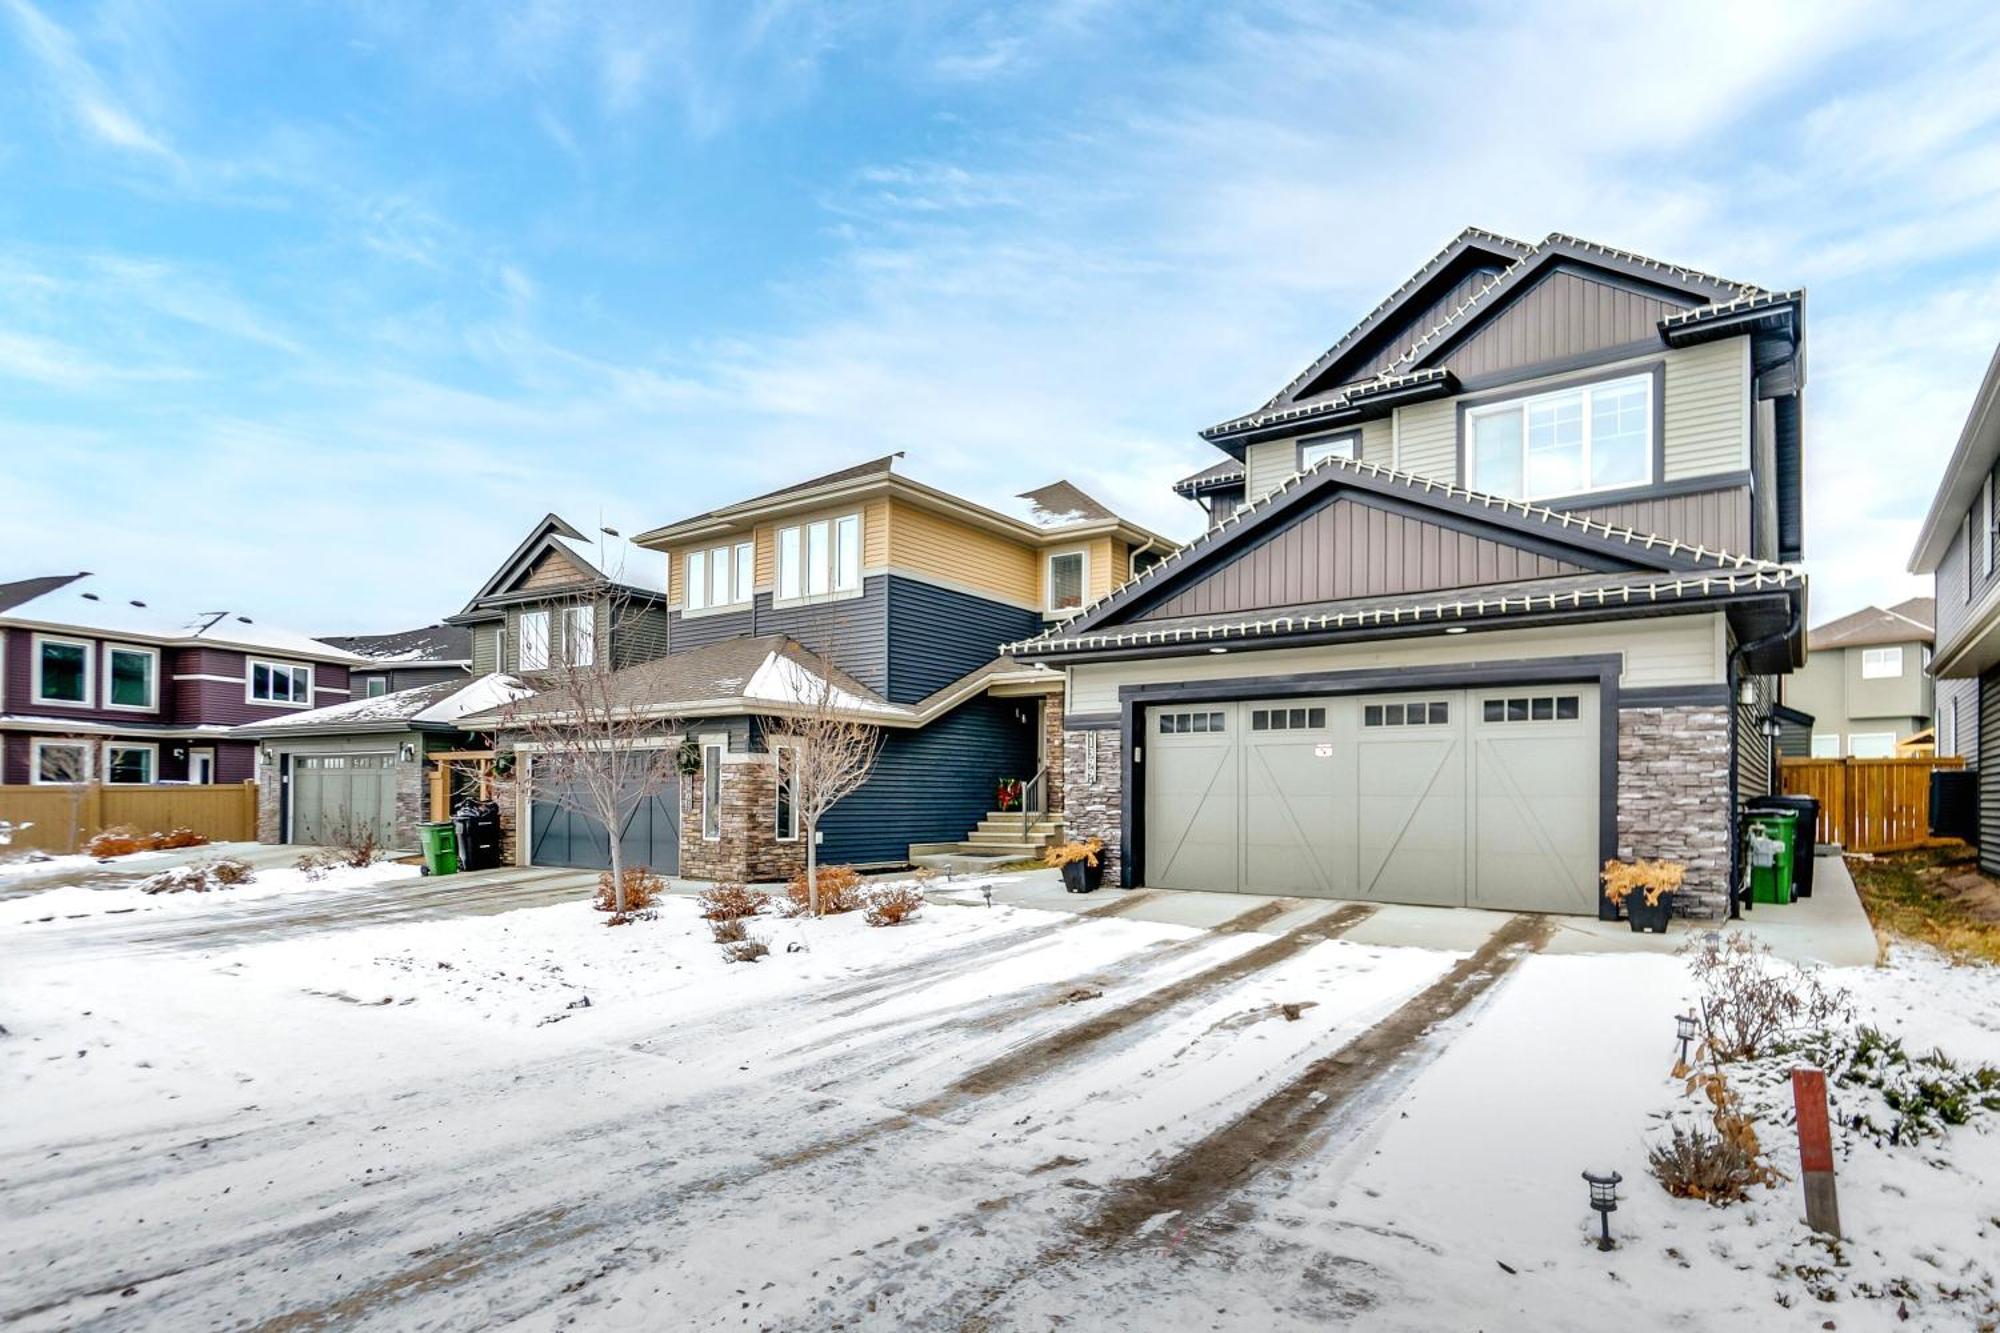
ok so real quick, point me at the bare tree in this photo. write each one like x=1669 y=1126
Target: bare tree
x=597 y=746
x=824 y=748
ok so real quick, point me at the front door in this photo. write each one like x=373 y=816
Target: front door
x=201 y=766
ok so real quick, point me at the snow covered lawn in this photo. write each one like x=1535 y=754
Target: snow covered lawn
x=983 y=1118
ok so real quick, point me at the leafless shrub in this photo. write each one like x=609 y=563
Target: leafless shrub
x=728 y=929
x=888 y=907
x=122 y=840
x=1695 y=1164
x=315 y=865
x=839 y=891
x=356 y=848
x=202 y=878
x=642 y=886
x=175 y=839
x=229 y=871
x=726 y=902
x=1751 y=1000
x=746 y=950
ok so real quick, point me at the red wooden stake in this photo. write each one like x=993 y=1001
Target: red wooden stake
x=1816 y=1151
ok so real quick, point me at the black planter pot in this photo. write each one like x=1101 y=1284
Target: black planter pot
x=1644 y=918
x=1082 y=876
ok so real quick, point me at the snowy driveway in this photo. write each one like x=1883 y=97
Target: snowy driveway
x=987 y=1118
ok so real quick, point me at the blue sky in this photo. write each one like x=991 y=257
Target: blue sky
x=312 y=309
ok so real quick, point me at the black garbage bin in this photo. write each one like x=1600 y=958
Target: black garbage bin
x=1807 y=809
x=478 y=826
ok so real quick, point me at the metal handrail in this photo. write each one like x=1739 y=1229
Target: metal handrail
x=1027 y=800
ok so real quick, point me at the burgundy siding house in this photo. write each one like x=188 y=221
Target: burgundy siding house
x=95 y=687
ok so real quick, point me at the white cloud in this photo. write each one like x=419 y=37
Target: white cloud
x=79 y=86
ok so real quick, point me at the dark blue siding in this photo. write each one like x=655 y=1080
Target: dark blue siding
x=937 y=635
x=853 y=631
x=932 y=785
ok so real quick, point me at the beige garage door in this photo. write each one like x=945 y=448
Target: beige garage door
x=1483 y=798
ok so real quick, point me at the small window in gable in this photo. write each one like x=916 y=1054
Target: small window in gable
x=1067 y=571
x=1318 y=448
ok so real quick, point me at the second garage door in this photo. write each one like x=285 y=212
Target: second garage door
x=343 y=798
x=1482 y=798
x=558 y=835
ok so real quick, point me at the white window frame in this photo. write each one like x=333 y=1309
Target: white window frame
x=375 y=687
x=1874 y=662
x=89 y=647
x=778 y=749
x=1584 y=392
x=250 y=665
x=150 y=749
x=580 y=631
x=1871 y=736
x=734 y=562
x=197 y=756
x=1082 y=553
x=711 y=801
x=41 y=743
x=1825 y=745
x=1986 y=524
x=522 y=639
x=842 y=544
x=109 y=654
x=1315 y=449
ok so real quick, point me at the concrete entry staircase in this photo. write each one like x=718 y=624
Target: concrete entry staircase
x=997 y=840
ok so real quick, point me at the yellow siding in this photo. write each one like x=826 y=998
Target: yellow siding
x=934 y=546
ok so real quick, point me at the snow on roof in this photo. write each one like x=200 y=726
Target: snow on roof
x=442 y=645
x=84 y=603
x=1060 y=504
x=439 y=703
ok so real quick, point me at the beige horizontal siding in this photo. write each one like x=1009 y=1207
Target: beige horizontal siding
x=1707 y=409
x=1678 y=650
x=1427 y=439
x=1378 y=442
x=1268 y=466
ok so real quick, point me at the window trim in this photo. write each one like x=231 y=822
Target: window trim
x=1880 y=652
x=1814 y=749
x=374 y=687
x=250 y=665
x=1332 y=437
x=152 y=704
x=1653 y=372
x=1854 y=736
x=520 y=639
x=1049 y=559
x=39 y=743
x=151 y=750
x=1986 y=524
x=89 y=646
x=1965 y=526
x=195 y=756
x=711 y=805
x=801 y=534
x=778 y=749
x=571 y=614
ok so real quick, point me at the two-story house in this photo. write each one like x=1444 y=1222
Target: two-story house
x=1956 y=547
x=100 y=687
x=1866 y=682
x=895 y=593
x=1494 y=590
x=407 y=658
x=563 y=594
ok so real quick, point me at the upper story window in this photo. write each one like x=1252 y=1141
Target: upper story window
x=1881 y=663
x=376 y=686
x=62 y=671
x=580 y=643
x=819 y=558
x=132 y=678
x=280 y=683
x=1068 y=575
x=719 y=576
x=1595 y=437
x=532 y=641
x=1318 y=448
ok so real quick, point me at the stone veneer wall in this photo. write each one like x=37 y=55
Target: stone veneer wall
x=412 y=796
x=1052 y=752
x=748 y=850
x=1673 y=797
x=269 y=800
x=1091 y=809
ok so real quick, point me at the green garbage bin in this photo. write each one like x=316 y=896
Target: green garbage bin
x=440 y=848
x=1775 y=885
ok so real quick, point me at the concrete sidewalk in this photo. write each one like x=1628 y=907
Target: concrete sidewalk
x=1829 y=928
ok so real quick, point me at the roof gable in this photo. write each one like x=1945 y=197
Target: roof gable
x=1570 y=309
x=1567 y=537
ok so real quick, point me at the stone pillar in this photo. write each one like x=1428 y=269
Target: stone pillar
x=1052 y=752
x=270 y=799
x=1093 y=794
x=748 y=850
x=1673 y=798
x=507 y=795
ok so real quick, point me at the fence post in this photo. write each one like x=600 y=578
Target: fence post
x=92 y=817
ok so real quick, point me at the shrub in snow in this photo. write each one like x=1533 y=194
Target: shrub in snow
x=839 y=891
x=123 y=840
x=1751 y=1000
x=229 y=871
x=728 y=929
x=208 y=875
x=356 y=848
x=314 y=865
x=726 y=902
x=1695 y=1164
x=174 y=839
x=745 y=951
x=642 y=886
x=887 y=907
x=1916 y=1096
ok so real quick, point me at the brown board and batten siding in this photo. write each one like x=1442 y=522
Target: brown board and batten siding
x=1393 y=345
x=1563 y=315
x=1351 y=549
x=1716 y=520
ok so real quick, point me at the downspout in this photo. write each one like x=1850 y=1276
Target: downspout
x=1732 y=672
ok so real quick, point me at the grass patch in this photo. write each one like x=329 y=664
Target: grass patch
x=1933 y=895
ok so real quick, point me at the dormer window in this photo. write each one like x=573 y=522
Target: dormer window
x=1595 y=437
x=1068 y=573
x=719 y=576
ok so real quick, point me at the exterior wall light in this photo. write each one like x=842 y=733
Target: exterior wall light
x=1603 y=1198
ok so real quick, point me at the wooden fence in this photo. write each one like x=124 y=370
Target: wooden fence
x=1868 y=805
x=64 y=818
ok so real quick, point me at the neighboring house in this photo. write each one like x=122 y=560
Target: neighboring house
x=1866 y=682
x=561 y=594
x=1505 y=595
x=95 y=686
x=1957 y=548
x=403 y=661
x=899 y=593
x=357 y=769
